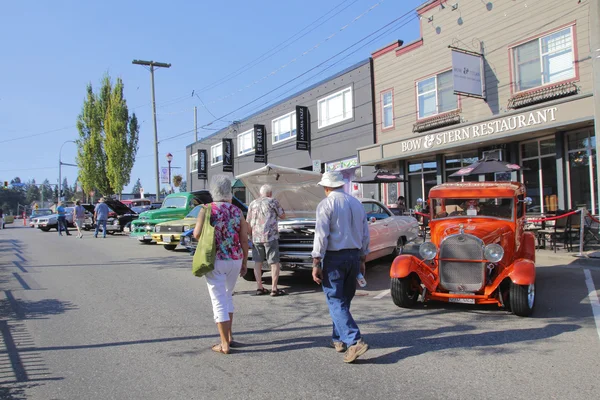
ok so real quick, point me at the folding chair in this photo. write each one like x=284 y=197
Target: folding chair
x=559 y=230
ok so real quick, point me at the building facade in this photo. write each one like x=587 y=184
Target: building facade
x=535 y=107
x=336 y=117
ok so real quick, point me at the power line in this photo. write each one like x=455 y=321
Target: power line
x=37 y=134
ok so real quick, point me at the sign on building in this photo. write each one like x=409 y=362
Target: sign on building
x=302 y=128
x=227 y=155
x=316 y=164
x=468 y=74
x=164 y=175
x=260 y=144
x=202 y=166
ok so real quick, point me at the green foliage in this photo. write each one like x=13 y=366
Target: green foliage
x=137 y=187
x=32 y=192
x=108 y=140
x=10 y=199
x=46 y=191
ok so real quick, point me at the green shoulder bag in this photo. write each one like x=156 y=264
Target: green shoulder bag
x=204 y=257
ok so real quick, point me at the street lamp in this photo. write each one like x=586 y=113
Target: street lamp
x=60 y=164
x=169 y=159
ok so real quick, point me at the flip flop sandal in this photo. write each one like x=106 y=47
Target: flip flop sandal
x=218 y=349
x=278 y=292
x=261 y=292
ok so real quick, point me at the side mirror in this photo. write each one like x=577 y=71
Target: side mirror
x=372 y=219
x=528 y=200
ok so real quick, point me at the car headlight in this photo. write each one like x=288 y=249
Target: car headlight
x=493 y=252
x=186 y=228
x=187 y=240
x=157 y=229
x=148 y=228
x=428 y=251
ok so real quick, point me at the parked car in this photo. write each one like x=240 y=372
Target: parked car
x=479 y=252
x=299 y=195
x=8 y=219
x=136 y=202
x=175 y=206
x=47 y=222
x=40 y=212
x=121 y=218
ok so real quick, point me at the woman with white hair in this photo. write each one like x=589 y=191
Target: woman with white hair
x=231 y=241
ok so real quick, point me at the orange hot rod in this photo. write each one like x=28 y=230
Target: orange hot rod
x=479 y=252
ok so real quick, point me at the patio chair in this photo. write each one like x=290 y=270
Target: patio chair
x=556 y=232
x=572 y=230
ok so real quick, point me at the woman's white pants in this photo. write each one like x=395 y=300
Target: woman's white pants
x=221 y=282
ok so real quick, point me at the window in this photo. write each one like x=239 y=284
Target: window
x=284 y=127
x=375 y=210
x=538 y=158
x=581 y=170
x=245 y=142
x=194 y=162
x=422 y=176
x=335 y=108
x=387 y=109
x=436 y=95
x=216 y=154
x=545 y=60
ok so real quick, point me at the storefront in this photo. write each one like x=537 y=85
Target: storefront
x=554 y=143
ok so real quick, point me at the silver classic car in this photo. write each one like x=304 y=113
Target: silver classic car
x=298 y=193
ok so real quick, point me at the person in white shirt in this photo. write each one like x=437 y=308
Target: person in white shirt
x=341 y=243
x=79 y=218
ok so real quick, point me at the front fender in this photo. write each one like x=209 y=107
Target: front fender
x=523 y=272
x=405 y=264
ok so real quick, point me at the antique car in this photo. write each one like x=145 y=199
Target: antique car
x=47 y=222
x=479 y=252
x=175 y=206
x=121 y=217
x=170 y=233
x=40 y=212
x=298 y=193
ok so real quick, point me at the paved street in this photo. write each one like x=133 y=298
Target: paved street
x=113 y=319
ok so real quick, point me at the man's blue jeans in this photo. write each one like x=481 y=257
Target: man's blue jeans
x=62 y=224
x=98 y=222
x=340 y=269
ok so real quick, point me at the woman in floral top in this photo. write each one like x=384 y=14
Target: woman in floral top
x=231 y=241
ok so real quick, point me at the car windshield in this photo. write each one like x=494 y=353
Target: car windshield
x=486 y=207
x=175 y=202
x=139 y=209
x=40 y=213
x=194 y=213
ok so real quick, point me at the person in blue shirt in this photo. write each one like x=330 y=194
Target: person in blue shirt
x=62 y=220
x=342 y=243
x=100 y=216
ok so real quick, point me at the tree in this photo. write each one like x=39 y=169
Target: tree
x=46 y=191
x=177 y=180
x=108 y=140
x=137 y=187
x=33 y=192
x=67 y=192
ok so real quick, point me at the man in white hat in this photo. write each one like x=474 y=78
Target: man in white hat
x=341 y=243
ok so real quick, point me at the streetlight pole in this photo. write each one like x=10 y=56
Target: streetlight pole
x=60 y=164
x=152 y=65
x=169 y=159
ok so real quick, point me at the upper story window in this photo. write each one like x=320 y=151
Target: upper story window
x=387 y=109
x=216 y=154
x=545 y=60
x=284 y=127
x=194 y=162
x=335 y=108
x=245 y=142
x=436 y=95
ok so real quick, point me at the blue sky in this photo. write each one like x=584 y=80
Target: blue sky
x=50 y=51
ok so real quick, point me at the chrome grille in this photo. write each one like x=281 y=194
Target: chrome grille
x=459 y=276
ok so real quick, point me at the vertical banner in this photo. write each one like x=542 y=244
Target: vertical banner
x=468 y=74
x=260 y=145
x=164 y=174
x=227 y=155
x=302 y=128
x=202 y=166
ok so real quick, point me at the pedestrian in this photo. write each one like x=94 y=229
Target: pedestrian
x=79 y=218
x=62 y=220
x=231 y=242
x=262 y=219
x=356 y=193
x=1 y=219
x=340 y=247
x=100 y=216
x=401 y=205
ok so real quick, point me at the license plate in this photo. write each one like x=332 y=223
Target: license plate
x=36 y=225
x=166 y=239
x=462 y=301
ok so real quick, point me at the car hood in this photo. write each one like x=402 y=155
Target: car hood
x=295 y=189
x=118 y=207
x=167 y=213
x=490 y=230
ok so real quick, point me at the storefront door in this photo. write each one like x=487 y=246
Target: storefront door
x=581 y=175
x=538 y=157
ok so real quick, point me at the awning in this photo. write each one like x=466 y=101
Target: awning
x=236 y=183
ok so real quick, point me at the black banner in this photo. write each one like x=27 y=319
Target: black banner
x=260 y=144
x=302 y=128
x=227 y=155
x=202 y=166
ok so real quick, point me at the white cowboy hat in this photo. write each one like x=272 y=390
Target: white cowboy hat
x=332 y=180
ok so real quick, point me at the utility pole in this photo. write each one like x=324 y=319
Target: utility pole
x=595 y=50
x=152 y=65
x=195 y=124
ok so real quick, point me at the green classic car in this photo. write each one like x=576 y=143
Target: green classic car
x=175 y=206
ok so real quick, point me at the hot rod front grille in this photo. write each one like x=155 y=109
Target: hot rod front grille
x=462 y=276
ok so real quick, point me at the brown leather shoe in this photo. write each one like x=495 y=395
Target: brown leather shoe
x=340 y=347
x=355 y=351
